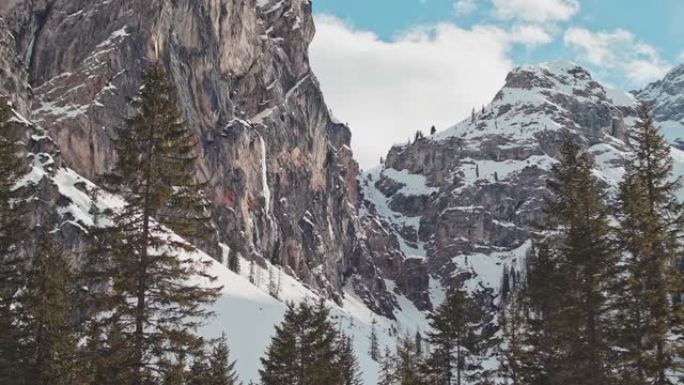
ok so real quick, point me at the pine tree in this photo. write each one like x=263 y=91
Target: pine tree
x=320 y=344
x=304 y=350
x=458 y=339
x=221 y=368
x=198 y=371
x=419 y=342
x=234 y=262
x=348 y=363
x=587 y=262
x=541 y=361
x=374 y=349
x=512 y=323
x=410 y=367
x=156 y=309
x=387 y=368
x=174 y=371
x=433 y=130
x=48 y=309
x=650 y=237
x=13 y=263
x=107 y=355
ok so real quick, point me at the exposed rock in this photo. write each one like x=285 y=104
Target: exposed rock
x=477 y=189
x=281 y=175
x=665 y=98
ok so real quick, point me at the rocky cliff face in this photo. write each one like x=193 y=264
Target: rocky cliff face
x=467 y=199
x=281 y=175
x=666 y=100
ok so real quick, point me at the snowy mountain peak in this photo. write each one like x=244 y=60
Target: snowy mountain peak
x=547 y=97
x=546 y=75
x=666 y=100
x=467 y=199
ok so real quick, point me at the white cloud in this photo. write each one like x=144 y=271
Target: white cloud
x=464 y=7
x=530 y=35
x=618 y=50
x=388 y=90
x=681 y=57
x=539 y=11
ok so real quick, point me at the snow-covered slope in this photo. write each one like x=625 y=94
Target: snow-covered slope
x=666 y=100
x=252 y=302
x=543 y=97
x=466 y=199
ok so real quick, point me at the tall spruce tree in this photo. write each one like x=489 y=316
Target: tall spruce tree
x=107 y=354
x=13 y=262
x=48 y=309
x=512 y=324
x=151 y=300
x=304 y=350
x=410 y=368
x=387 y=368
x=587 y=260
x=374 y=348
x=198 y=371
x=651 y=239
x=348 y=363
x=542 y=359
x=458 y=339
x=221 y=369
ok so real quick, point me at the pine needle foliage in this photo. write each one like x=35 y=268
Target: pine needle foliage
x=158 y=294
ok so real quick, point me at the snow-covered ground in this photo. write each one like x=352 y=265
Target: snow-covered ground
x=246 y=311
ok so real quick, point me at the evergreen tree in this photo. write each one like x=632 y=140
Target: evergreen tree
x=374 y=350
x=410 y=368
x=650 y=237
x=151 y=299
x=13 y=263
x=542 y=359
x=198 y=371
x=458 y=339
x=419 y=342
x=107 y=354
x=221 y=368
x=512 y=323
x=433 y=130
x=348 y=363
x=587 y=261
x=304 y=350
x=48 y=310
x=174 y=371
x=387 y=368
x=234 y=262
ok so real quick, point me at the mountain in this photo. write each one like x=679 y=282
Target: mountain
x=466 y=200
x=288 y=200
x=665 y=98
x=280 y=172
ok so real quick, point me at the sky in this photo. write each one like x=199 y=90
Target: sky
x=391 y=67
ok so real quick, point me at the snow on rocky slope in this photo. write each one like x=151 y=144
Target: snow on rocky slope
x=280 y=173
x=459 y=205
x=466 y=199
x=666 y=100
x=251 y=303
x=284 y=182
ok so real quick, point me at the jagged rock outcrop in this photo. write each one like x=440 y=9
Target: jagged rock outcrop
x=467 y=199
x=280 y=172
x=665 y=98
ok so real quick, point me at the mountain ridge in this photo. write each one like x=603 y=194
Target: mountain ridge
x=289 y=201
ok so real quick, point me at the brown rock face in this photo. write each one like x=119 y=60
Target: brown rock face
x=281 y=175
